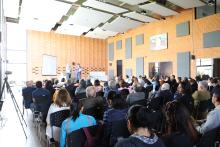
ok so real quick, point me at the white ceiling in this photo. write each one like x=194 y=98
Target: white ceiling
x=139 y=17
x=72 y=29
x=121 y=24
x=186 y=4
x=36 y=13
x=158 y=9
x=91 y=18
x=100 y=33
x=104 y=6
x=133 y=2
x=11 y=8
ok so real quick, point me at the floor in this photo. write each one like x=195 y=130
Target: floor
x=11 y=133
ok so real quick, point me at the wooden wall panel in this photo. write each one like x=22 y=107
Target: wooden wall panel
x=192 y=43
x=90 y=53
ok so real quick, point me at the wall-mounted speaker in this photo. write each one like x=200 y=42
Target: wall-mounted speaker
x=193 y=57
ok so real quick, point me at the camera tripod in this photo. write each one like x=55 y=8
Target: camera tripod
x=17 y=109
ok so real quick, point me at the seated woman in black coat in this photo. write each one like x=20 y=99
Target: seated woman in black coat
x=179 y=129
x=140 y=120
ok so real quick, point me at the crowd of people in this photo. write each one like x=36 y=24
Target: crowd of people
x=136 y=111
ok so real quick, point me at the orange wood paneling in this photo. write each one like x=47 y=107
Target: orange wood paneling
x=90 y=53
x=192 y=42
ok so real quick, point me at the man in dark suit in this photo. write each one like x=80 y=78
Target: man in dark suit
x=27 y=94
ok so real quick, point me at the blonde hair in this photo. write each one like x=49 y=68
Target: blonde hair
x=62 y=98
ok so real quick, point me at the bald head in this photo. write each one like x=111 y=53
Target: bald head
x=91 y=91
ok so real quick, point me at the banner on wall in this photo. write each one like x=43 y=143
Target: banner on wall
x=158 y=42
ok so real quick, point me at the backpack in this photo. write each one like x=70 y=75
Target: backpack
x=93 y=141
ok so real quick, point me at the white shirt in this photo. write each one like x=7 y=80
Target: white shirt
x=56 y=131
x=68 y=68
x=212 y=122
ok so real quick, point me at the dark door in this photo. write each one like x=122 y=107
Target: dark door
x=119 y=67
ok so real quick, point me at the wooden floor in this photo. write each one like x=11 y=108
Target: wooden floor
x=11 y=134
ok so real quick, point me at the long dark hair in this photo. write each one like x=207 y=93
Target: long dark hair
x=75 y=109
x=140 y=116
x=178 y=120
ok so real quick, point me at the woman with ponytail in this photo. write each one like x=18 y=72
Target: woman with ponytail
x=75 y=122
x=140 y=124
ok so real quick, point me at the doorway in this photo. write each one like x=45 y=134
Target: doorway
x=119 y=67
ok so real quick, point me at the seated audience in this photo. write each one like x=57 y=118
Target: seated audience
x=27 y=94
x=81 y=88
x=184 y=96
x=165 y=94
x=193 y=85
x=179 y=129
x=88 y=83
x=49 y=87
x=92 y=105
x=117 y=112
x=70 y=88
x=202 y=94
x=140 y=124
x=111 y=87
x=122 y=85
x=97 y=85
x=75 y=122
x=62 y=101
x=138 y=95
x=41 y=100
x=213 y=117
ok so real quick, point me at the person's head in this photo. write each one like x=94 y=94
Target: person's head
x=127 y=77
x=139 y=117
x=62 y=98
x=178 y=120
x=82 y=83
x=63 y=80
x=138 y=88
x=122 y=83
x=48 y=84
x=165 y=86
x=112 y=84
x=216 y=97
x=117 y=102
x=96 y=82
x=88 y=83
x=111 y=95
x=91 y=91
x=75 y=109
x=39 y=84
x=183 y=88
x=203 y=86
x=29 y=83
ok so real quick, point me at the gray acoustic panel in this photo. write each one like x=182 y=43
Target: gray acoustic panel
x=140 y=66
x=140 y=39
x=110 y=74
x=182 y=29
x=119 y=44
x=128 y=48
x=211 y=39
x=111 y=51
x=183 y=64
x=128 y=71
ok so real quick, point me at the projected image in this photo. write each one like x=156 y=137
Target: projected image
x=158 y=42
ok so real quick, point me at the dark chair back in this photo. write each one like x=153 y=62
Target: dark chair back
x=79 y=96
x=201 y=108
x=58 y=117
x=119 y=130
x=100 y=93
x=140 y=102
x=209 y=138
x=78 y=138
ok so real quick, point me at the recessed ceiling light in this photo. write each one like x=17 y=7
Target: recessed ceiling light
x=71 y=24
x=36 y=18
